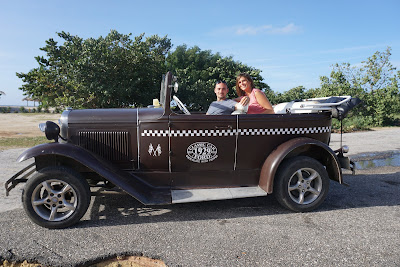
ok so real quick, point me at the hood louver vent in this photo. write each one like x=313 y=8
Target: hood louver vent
x=113 y=146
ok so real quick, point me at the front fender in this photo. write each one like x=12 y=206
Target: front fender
x=68 y=150
x=299 y=146
x=130 y=183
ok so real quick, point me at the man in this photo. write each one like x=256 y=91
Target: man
x=223 y=106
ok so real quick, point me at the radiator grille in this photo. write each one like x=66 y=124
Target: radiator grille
x=112 y=146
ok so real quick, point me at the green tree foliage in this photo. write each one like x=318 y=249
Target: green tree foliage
x=198 y=70
x=114 y=71
x=299 y=92
x=374 y=82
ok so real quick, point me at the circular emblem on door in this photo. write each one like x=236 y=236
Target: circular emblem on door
x=201 y=152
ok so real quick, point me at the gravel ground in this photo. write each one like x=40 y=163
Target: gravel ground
x=9 y=166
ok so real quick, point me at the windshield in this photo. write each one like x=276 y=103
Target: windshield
x=163 y=91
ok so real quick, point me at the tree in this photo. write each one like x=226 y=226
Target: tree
x=198 y=70
x=374 y=82
x=114 y=71
x=298 y=92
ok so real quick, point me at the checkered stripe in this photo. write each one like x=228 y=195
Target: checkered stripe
x=282 y=131
x=186 y=133
x=157 y=133
x=231 y=132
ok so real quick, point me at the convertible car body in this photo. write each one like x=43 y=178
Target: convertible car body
x=161 y=157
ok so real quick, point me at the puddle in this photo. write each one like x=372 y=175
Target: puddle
x=369 y=161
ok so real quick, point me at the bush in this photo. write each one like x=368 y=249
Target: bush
x=5 y=109
x=23 y=110
x=375 y=83
x=351 y=124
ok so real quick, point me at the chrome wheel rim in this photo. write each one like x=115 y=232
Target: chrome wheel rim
x=305 y=186
x=54 y=200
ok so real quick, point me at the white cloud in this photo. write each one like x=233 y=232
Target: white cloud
x=251 y=30
x=266 y=29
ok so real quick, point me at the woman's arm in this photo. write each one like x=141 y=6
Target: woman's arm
x=264 y=102
x=244 y=100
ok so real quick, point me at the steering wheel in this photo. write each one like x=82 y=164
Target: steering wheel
x=181 y=105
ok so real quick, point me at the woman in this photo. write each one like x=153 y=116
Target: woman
x=259 y=103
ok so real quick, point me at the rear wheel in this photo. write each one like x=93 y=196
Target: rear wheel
x=56 y=197
x=301 y=184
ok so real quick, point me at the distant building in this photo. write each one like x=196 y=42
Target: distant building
x=27 y=99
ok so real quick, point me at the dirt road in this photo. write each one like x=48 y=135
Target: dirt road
x=23 y=125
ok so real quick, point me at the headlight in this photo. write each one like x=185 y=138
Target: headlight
x=51 y=129
x=42 y=126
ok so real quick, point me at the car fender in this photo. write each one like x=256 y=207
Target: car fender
x=294 y=147
x=130 y=183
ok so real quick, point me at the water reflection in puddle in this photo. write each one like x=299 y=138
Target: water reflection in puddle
x=368 y=161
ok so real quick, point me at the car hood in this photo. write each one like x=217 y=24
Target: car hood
x=115 y=116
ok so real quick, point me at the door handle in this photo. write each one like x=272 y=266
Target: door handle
x=223 y=127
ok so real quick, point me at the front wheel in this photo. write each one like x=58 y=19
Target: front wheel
x=301 y=184
x=56 y=197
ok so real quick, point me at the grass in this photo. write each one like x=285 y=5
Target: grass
x=16 y=142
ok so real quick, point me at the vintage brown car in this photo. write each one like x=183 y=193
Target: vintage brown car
x=159 y=156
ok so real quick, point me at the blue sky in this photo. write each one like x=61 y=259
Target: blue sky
x=292 y=42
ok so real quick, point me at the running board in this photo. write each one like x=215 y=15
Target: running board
x=197 y=195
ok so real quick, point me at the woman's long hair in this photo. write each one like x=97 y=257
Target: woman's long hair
x=239 y=91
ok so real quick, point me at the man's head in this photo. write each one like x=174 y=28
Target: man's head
x=221 y=90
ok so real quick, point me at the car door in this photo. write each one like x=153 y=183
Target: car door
x=202 y=150
x=260 y=134
x=153 y=151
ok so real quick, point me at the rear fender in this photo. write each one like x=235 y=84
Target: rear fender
x=132 y=184
x=295 y=147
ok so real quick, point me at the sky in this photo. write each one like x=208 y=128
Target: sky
x=293 y=43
